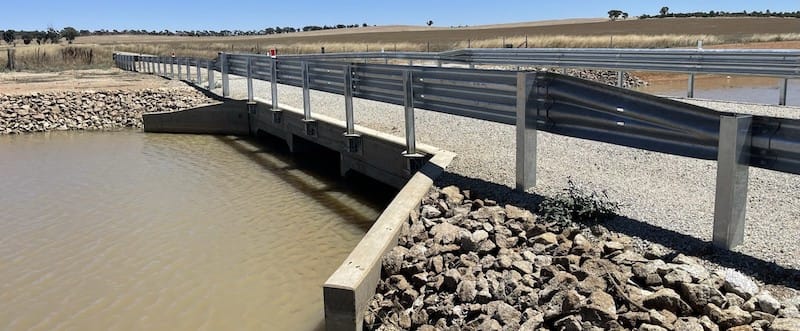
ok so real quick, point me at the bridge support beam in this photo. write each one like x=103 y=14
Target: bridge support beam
x=730 y=202
x=526 y=133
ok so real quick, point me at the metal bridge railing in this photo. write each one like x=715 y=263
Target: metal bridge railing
x=783 y=64
x=531 y=101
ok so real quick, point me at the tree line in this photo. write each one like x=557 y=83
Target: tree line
x=50 y=35
x=664 y=12
x=53 y=36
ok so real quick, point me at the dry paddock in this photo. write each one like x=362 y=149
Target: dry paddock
x=665 y=199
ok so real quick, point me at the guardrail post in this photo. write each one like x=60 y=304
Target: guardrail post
x=732 y=175
x=620 y=79
x=172 y=68
x=250 y=96
x=353 y=139
x=311 y=125
x=782 y=91
x=197 y=67
x=408 y=102
x=526 y=134
x=414 y=159
x=273 y=77
x=210 y=74
x=188 y=67
x=179 y=65
x=226 y=90
x=690 y=92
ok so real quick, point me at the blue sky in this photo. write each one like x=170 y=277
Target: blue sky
x=256 y=15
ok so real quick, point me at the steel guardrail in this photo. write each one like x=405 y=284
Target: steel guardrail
x=562 y=105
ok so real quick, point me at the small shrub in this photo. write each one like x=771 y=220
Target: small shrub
x=577 y=205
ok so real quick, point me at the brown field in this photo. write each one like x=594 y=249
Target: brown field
x=651 y=33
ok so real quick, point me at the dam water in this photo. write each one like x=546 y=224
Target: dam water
x=135 y=231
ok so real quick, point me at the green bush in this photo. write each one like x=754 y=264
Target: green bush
x=577 y=205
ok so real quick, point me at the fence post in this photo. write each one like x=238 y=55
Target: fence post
x=782 y=91
x=210 y=74
x=730 y=201
x=311 y=125
x=223 y=58
x=690 y=92
x=526 y=134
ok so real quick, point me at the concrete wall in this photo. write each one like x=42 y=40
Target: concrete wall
x=348 y=291
x=227 y=117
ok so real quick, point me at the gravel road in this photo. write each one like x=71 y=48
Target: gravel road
x=666 y=199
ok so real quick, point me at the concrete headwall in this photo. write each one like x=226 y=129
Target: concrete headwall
x=227 y=117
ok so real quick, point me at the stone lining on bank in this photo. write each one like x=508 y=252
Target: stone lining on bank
x=463 y=263
x=90 y=110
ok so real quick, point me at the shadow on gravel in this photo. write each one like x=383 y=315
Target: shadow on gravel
x=765 y=271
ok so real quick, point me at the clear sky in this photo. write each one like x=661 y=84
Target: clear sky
x=255 y=15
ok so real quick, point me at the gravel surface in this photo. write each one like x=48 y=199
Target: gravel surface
x=668 y=200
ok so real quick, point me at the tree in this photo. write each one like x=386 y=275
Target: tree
x=69 y=33
x=27 y=37
x=614 y=14
x=430 y=23
x=8 y=36
x=624 y=16
x=664 y=11
x=53 y=36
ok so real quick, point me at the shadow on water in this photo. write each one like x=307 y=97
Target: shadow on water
x=316 y=164
x=765 y=271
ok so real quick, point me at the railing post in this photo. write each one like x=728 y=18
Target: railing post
x=250 y=96
x=210 y=74
x=353 y=139
x=172 y=67
x=730 y=202
x=197 y=67
x=306 y=91
x=690 y=92
x=179 y=65
x=273 y=77
x=782 y=91
x=188 y=66
x=348 y=99
x=620 y=79
x=408 y=102
x=311 y=125
x=526 y=134
x=223 y=58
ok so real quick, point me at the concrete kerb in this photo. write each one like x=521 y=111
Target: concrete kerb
x=348 y=291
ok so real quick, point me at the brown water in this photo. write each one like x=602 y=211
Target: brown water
x=761 y=90
x=134 y=231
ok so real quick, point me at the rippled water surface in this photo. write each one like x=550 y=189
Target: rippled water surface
x=126 y=230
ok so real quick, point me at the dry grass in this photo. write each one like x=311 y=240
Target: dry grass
x=59 y=57
x=590 y=34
